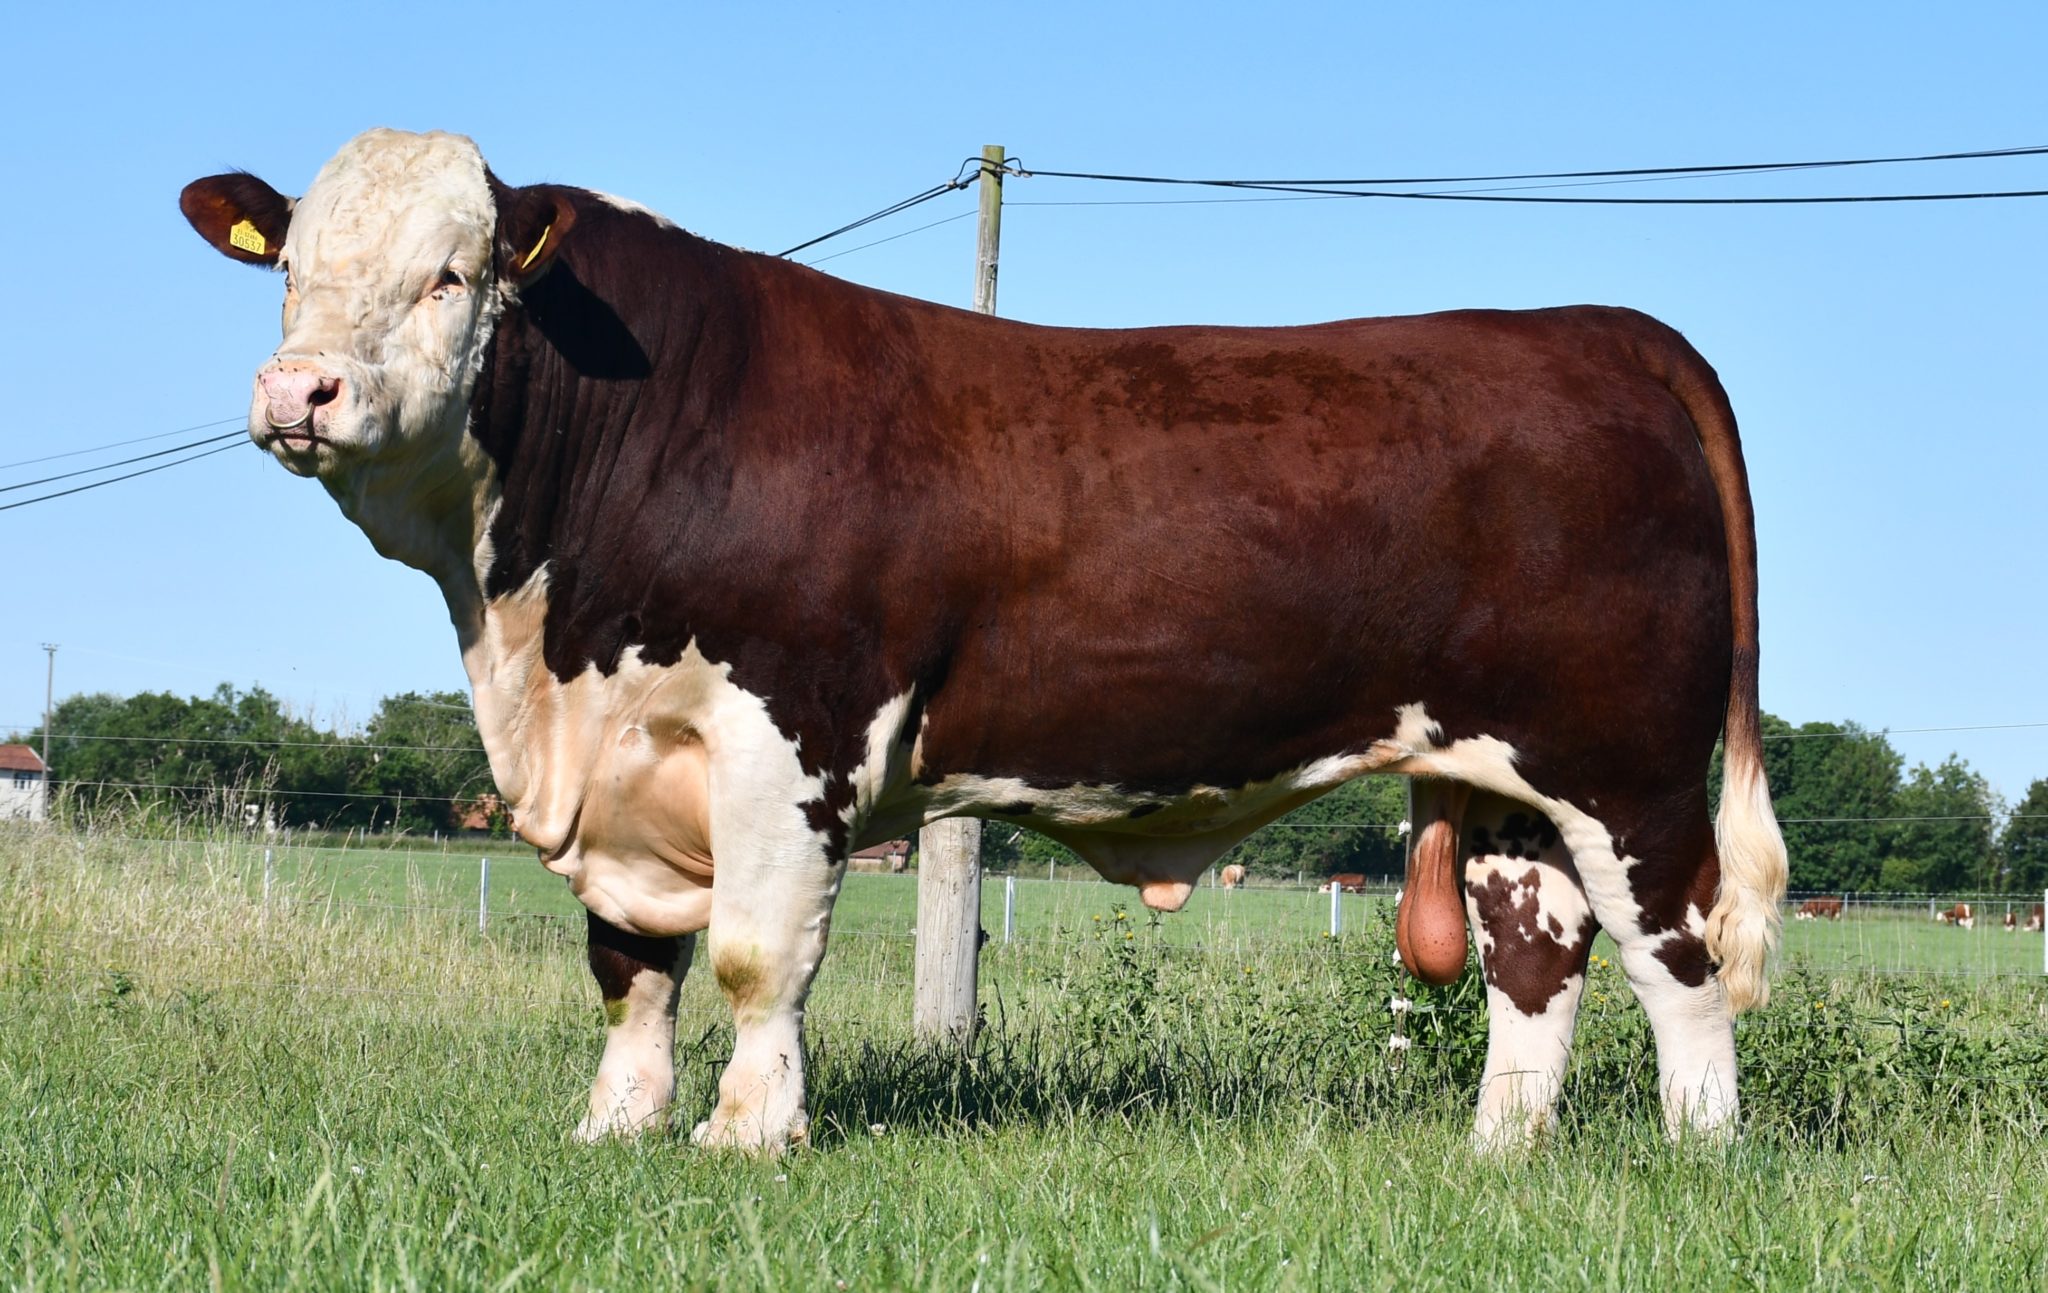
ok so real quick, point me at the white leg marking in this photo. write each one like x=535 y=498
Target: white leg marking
x=1531 y=924
x=636 y=1080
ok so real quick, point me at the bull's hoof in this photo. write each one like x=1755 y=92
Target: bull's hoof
x=619 y=1124
x=1511 y=1134
x=745 y=1133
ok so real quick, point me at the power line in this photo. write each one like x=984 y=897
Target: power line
x=1642 y=171
x=1382 y=187
x=115 y=480
x=1474 y=196
x=907 y=232
x=968 y=172
x=121 y=462
x=1891 y=731
x=120 y=444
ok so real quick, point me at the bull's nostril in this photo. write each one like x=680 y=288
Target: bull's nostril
x=326 y=392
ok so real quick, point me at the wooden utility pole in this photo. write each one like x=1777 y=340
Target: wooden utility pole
x=948 y=960
x=989 y=238
x=49 y=694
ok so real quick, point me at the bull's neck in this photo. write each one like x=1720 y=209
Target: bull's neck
x=430 y=510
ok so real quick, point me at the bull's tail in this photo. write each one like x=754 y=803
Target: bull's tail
x=1742 y=929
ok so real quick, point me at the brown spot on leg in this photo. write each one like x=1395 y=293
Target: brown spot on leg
x=1528 y=961
x=742 y=978
x=616 y=957
x=1686 y=957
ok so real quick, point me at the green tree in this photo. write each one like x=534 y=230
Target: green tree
x=1828 y=780
x=2023 y=846
x=1349 y=829
x=1944 y=843
x=422 y=755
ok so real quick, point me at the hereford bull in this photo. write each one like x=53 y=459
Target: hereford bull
x=1819 y=909
x=1143 y=591
x=1346 y=882
x=2035 y=918
x=1960 y=915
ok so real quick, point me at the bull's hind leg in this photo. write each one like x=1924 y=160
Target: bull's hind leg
x=1534 y=931
x=640 y=979
x=1651 y=874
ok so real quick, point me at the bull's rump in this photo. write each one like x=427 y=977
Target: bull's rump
x=1225 y=553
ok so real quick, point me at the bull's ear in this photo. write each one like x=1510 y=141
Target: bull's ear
x=532 y=222
x=244 y=218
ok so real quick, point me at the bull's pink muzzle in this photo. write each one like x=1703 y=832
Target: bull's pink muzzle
x=294 y=396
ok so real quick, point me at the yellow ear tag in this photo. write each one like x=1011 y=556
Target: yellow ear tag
x=244 y=235
x=537 y=246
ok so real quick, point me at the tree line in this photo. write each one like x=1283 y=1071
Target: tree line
x=1856 y=819
x=417 y=764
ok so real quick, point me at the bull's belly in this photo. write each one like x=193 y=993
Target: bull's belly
x=1158 y=844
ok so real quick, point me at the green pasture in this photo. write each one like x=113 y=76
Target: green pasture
x=355 y=1089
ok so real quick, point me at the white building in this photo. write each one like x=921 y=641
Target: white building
x=24 y=783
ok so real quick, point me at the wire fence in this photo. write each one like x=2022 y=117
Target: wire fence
x=508 y=894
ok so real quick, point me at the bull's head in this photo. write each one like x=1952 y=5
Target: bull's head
x=397 y=262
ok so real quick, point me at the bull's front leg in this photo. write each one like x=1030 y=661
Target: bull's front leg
x=771 y=910
x=640 y=979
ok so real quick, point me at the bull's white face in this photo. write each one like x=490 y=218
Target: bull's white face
x=389 y=303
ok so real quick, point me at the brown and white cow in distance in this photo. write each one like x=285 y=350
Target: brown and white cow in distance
x=1962 y=916
x=1819 y=909
x=1146 y=591
x=1343 y=882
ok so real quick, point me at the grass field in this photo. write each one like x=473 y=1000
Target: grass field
x=356 y=1089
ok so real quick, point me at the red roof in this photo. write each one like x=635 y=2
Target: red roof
x=19 y=758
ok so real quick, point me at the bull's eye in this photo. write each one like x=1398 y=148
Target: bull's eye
x=450 y=282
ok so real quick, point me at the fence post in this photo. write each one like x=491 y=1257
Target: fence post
x=948 y=929
x=1336 y=911
x=1009 y=907
x=483 y=895
x=269 y=873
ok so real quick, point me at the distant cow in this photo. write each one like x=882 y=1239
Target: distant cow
x=1142 y=591
x=1233 y=876
x=1819 y=909
x=1347 y=881
x=1959 y=915
x=2034 y=919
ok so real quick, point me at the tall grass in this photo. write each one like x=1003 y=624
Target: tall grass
x=195 y=1091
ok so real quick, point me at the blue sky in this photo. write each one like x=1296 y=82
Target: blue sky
x=1886 y=361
